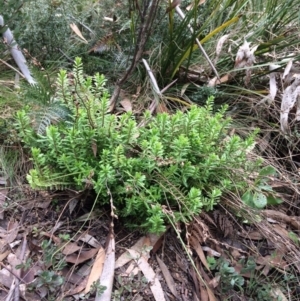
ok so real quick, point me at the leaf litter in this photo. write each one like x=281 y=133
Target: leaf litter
x=148 y=267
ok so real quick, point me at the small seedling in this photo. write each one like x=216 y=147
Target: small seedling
x=262 y=193
x=50 y=280
x=26 y=265
x=52 y=256
x=64 y=237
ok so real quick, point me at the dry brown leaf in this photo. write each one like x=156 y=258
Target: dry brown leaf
x=149 y=274
x=235 y=254
x=3 y=194
x=94 y=148
x=131 y=270
x=219 y=46
x=211 y=295
x=203 y=282
x=189 y=7
x=211 y=252
x=72 y=204
x=104 y=44
x=108 y=272
x=26 y=295
x=85 y=269
x=197 y=247
x=281 y=231
x=89 y=239
x=287 y=69
x=157 y=244
x=204 y=294
x=273 y=85
x=33 y=245
x=88 y=217
x=126 y=104
x=215 y=81
x=145 y=251
x=266 y=269
x=182 y=263
x=167 y=275
x=71 y=248
x=277 y=261
x=54 y=238
x=96 y=270
x=220 y=43
x=3 y=181
x=270 y=261
x=13 y=262
x=78 y=289
x=82 y=256
x=73 y=277
x=223 y=222
x=245 y=56
x=78 y=32
x=183 y=89
x=29 y=275
x=43 y=205
x=12 y=231
x=277 y=215
x=272 y=221
x=31 y=296
x=295 y=222
x=264 y=141
x=298 y=109
x=238 y=267
x=6 y=278
x=12 y=224
x=4 y=255
x=195 y=282
x=173 y=4
x=138 y=246
x=206 y=218
x=289 y=98
x=162 y=108
x=277 y=294
x=253 y=235
x=215 y=281
x=199 y=230
x=3 y=232
x=43 y=291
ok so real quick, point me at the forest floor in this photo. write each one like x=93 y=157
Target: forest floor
x=52 y=248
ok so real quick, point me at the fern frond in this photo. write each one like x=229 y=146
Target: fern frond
x=41 y=93
x=55 y=181
x=49 y=114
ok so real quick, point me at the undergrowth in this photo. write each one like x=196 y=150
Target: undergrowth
x=175 y=165
x=249 y=281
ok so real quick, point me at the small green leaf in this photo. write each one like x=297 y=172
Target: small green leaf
x=294 y=237
x=271 y=200
x=267 y=171
x=259 y=200
x=247 y=198
x=265 y=187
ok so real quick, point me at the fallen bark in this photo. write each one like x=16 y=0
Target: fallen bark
x=16 y=53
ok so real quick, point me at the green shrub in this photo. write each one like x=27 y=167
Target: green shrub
x=175 y=165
